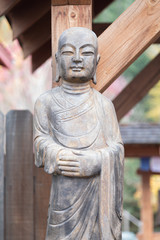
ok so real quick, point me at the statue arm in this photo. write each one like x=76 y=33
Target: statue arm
x=112 y=169
x=111 y=130
x=46 y=149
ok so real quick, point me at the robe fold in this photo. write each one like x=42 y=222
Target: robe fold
x=80 y=208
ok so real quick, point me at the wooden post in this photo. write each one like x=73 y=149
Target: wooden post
x=19 y=176
x=146 y=209
x=138 y=88
x=6 y=6
x=1 y=176
x=65 y=15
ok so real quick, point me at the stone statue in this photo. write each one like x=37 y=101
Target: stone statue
x=77 y=140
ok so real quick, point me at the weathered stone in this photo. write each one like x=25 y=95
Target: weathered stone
x=77 y=140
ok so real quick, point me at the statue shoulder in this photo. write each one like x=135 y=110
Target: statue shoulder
x=102 y=100
x=46 y=98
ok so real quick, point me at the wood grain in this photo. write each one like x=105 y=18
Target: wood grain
x=23 y=16
x=71 y=2
x=80 y=2
x=126 y=39
x=32 y=39
x=146 y=208
x=1 y=176
x=7 y=5
x=19 y=176
x=138 y=88
x=59 y=2
x=64 y=17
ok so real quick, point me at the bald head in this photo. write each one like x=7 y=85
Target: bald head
x=77 y=56
x=78 y=36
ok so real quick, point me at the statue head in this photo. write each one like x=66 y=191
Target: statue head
x=77 y=55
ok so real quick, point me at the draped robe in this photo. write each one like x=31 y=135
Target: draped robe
x=80 y=208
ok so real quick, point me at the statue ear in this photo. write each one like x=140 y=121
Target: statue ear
x=98 y=58
x=94 y=79
x=57 y=69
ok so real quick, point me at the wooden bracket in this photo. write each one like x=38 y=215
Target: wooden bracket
x=71 y=2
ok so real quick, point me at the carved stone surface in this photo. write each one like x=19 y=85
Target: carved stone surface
x=77 y=140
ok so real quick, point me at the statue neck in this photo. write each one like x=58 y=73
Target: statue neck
x=75 y=88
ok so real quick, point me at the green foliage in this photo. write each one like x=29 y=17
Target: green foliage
x=131 y=182
x=114 y=10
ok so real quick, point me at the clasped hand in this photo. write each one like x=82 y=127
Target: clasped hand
x=76 y=163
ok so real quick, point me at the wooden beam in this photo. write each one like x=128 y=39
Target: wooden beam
x=26 y=14
x=32 y=39
x=142 y=150
x=129 y=35
x=7 y=5
x=138 y=88
x=64 y=17
x=140 y=172
x=155 y=236
x=157 y=41
x=99 y=28
x=19 y=176
x=1 y=176
x=41 y=55
x=70 y=2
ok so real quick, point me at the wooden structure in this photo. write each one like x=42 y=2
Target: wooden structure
x=143 y=140
x=119 y=45
x=146 y=209
x=29 y=222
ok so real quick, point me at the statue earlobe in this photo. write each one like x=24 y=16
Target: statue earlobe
x=98 y=59
x=57 y=69
x=94 y=79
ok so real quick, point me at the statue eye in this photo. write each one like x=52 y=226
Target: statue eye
x=68 y=53
x=87 y=53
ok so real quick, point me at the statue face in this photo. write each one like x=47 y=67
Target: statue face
x=77 y=55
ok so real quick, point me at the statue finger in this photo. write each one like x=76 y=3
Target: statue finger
x=69 y=169
x=77 y=152
x=70 y=174
x=68 y=163
x=68 y=158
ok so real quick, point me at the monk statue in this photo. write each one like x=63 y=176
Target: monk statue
x=77 y=140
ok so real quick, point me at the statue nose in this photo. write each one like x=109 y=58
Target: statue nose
x=77 y=58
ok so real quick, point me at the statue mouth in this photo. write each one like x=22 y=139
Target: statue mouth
x=76 y=69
